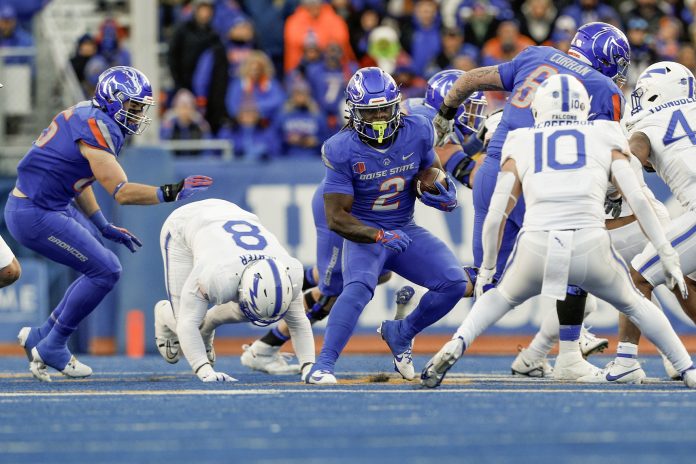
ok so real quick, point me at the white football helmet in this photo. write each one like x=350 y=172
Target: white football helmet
x=561 y=98
x=265 y=291
x=660 y=83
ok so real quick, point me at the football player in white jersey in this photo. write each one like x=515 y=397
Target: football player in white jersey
x=217 y=254
x=628 y=240
x=564 y=240
x=663 y=139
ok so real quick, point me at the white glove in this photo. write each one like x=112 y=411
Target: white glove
x=444 y=128
x=207 y=374
x=306 y=368
x=485 y=277
x=673 y=273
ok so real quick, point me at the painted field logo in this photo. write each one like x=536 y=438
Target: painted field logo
x=359 y=167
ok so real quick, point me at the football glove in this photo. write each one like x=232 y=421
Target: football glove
x=184 y=189
x=446 y=200
x=394 y=240
x=673 y=273
x=122 y=236
x=444 y=124
x=613 y=206
x=485 y=277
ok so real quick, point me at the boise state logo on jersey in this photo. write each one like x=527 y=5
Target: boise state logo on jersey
x=359 y=167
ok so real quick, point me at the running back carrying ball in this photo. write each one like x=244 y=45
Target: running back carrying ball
x=425 y=181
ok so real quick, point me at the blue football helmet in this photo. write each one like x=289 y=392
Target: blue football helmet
x=373 y=100
x=469 y=118
x=605 y=48
x=125 y=94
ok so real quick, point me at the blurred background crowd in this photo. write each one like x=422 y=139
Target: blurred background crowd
x=269 y=75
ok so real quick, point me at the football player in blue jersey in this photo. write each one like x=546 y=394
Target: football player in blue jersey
x=48 y=209
x=369 y=201
x=599 y=57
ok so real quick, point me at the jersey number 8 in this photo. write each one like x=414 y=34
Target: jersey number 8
x=248 y=238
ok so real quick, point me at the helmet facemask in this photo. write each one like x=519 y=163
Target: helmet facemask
x=471 y=117
x=377 y=122
x=133 y=113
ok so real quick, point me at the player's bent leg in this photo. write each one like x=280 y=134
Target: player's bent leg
x=166 y=339
x=10 y=273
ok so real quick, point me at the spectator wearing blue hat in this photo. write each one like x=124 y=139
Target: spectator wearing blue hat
x=85 y=49
x=301 y=125
x=453 y=47
x=12 y=36
x=642 y=51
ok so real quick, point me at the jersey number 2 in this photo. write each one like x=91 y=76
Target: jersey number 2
x=248 y=238
x=392 y=186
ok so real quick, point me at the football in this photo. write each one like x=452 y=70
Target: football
x=424 y=181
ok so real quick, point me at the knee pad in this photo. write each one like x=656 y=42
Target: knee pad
x=109 y=274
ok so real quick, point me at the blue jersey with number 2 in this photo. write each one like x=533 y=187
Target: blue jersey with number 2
x=379 y=180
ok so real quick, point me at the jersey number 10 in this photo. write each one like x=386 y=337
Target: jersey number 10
x=551 y=161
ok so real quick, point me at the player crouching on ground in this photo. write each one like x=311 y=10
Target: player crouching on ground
x=563 y=239
x=216 y=253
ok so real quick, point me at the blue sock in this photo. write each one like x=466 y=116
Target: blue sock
x=432 y=307
x=342 y=320
x=569 y=333
x=84 y=296
x=278 y=334
x=310 y=281
x=55 y=314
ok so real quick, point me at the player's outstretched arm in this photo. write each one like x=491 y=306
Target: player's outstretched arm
x=338 y=207
x=625 y=180
x=507 y=190
x=486 y=78
x=111 y=176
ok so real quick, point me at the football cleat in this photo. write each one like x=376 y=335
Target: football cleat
x=28 y=338
x=616 y=373
x=321 y=377
x=435 y=370
x=165 y=338
x=572 y=366
x=402 y=350
x=672 y=373
x=590 y=344
x=525 y=365
x=689 y=377
x=73 y=368
x=263 y=357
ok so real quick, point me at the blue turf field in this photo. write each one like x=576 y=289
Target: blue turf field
x=146 y=411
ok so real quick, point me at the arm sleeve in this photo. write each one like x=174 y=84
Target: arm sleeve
x=192 y=309
x=300 y=331
x=630 y=187
x=495 y=218
x=339 y=178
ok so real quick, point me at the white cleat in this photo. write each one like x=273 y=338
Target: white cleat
x=525 y=365
x=591 y=344
x=403 y=361
x=165 y=338
x=617 y=373
x=263 y=357
x=435 y=370
x=672 y=373
x=572 y=366
x=38 y=368
x=322 y=377
x=22 y=337
x=74 y=369
x=689 y=377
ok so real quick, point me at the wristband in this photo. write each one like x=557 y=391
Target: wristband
x=168 y=192
x=447 y=112
x=99 y=220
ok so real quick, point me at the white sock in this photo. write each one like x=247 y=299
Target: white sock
x=486 y=311
x=626 y=353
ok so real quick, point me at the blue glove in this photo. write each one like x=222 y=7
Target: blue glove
x=122 y=236
x=395 y=240
x=446 y=200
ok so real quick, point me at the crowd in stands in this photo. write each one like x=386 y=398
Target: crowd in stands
x=269 y=75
